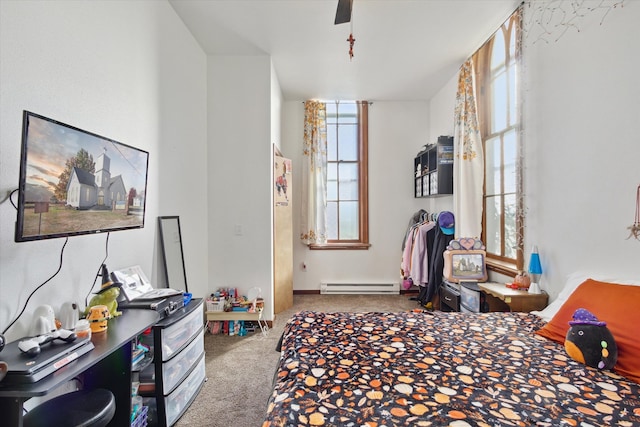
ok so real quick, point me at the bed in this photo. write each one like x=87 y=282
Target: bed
x=438 y=369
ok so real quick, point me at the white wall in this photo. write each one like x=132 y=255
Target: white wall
x=582 y=102
x=126 y=70
x=442 y=107
x=240 y=187
x=397 y=131
x=276 y=108
x=582 y=167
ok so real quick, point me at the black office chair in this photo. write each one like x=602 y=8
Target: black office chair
x=81 y=408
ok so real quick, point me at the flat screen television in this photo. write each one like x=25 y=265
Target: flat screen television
x=74 y=182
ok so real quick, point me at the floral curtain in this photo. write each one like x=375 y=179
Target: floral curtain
x=468 y=169
x=314 y=174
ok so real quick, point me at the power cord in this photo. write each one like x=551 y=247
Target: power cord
x=37 y=288
x=86 y=300
x=8 y=197
x=106 y=250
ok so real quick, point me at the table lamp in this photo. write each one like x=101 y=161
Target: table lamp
x=535 y=270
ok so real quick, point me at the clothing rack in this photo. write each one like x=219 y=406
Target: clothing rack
x=422 y=249
x=426 y=216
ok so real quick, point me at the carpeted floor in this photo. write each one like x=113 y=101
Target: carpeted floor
x=240 y=369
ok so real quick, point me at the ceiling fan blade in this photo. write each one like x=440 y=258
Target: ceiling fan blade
x=343 y=14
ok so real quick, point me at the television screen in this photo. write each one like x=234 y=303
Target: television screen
x=75 y=182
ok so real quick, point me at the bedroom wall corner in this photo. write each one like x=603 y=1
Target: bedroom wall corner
x=123 y=84
x=240 y=189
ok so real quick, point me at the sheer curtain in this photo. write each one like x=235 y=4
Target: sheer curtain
x=313 y=223
x=468 y=169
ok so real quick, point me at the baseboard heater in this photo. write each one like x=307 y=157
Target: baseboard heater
x=343 y=288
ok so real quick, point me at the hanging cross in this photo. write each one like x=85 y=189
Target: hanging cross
x=351 y=41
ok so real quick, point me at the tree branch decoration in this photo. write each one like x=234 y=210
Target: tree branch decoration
x=635 y=228
x=551 y=19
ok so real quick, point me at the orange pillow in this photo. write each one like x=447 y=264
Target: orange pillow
x=619 y=306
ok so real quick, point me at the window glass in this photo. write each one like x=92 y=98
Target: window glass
x=492 y=226
x=348 y=146
x=493 y=163
x=332 y=181
x=509 y=162
x=332 y=220
x=332 y=143
x=348 y=214
x=512 y=40
x=348 y=113
x=497 y=55
x=510 y=230
x=499 y=105
x=348 y=181
x=332 y=112
x=513 y=105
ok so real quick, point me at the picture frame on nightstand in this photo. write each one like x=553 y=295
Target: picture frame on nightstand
x=464 y=260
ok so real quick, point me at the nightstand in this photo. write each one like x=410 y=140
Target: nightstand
x=507 y=299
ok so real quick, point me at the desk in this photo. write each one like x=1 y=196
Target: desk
x=108 y=366
x=516 y=300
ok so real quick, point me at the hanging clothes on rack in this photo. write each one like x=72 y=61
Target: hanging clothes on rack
x=429 y=231
x=420 y=253
x=444 y=233
x=416 y=218
x=416 y=249
x=407 y=243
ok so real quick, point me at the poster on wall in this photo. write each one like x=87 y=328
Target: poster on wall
x=282 y=176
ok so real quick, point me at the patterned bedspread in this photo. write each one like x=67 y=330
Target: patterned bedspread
x=438 y=369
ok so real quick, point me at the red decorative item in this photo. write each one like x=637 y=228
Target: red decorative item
x=351 y=41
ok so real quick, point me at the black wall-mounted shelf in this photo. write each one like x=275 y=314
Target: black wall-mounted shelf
x=433 y=169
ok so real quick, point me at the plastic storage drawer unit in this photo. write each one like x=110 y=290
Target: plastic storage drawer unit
x=177 y=368
x=175 y=336
x=178 y=401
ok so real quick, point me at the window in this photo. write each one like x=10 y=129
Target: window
x=347 y=193
x=497 y=64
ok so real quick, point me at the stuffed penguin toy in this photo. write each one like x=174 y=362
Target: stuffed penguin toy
x=589 y=341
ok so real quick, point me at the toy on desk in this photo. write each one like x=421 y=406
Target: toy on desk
x=97 y=318
x=108 y=293
x=69 y=315
x=521 y=282
x=31 y=346
x=43 y=321
x=589 y=341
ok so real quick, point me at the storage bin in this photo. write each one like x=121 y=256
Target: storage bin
x=175 y=370
x=175 y=336
x=181 y=398
x=215 y=305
